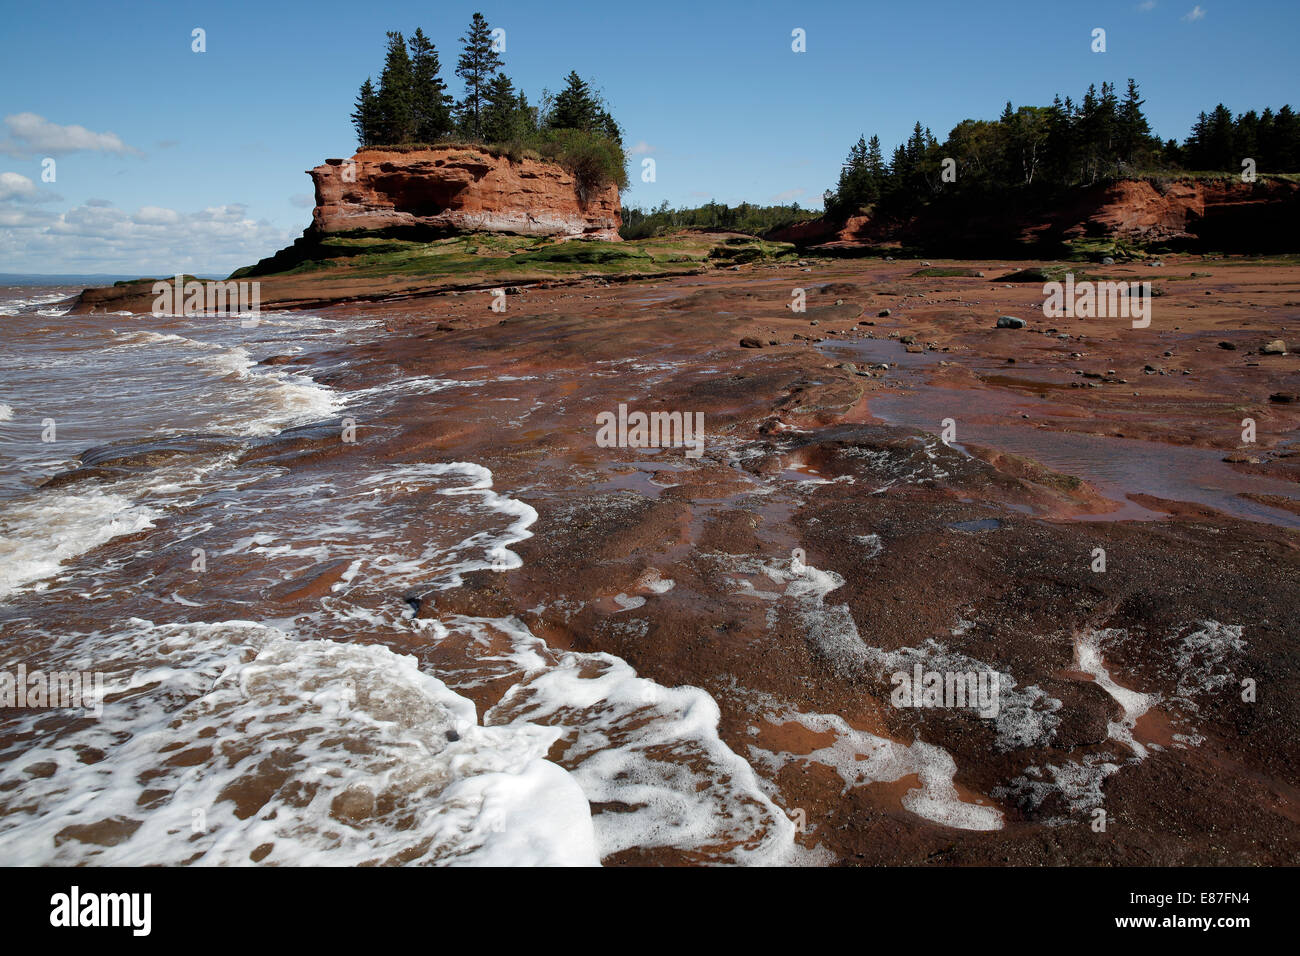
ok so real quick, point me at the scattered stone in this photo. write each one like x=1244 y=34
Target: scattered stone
x=882 y=314
x=907 y=339
x=1108 y=261
x=750 y=343
x=1276 y=347
x=1010 y=322
x=1228 y=346
x=1284 y=398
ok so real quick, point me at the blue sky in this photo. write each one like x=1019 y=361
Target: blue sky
x=196 y=161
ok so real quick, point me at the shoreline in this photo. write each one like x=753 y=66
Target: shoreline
x=919 y=553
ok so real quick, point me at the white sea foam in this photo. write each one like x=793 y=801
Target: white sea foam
x=1087 y=652
x=299 y=752
x=41 y=531
x=6 y=412
x=861 y=758
x=650 y=753
x=858 y=756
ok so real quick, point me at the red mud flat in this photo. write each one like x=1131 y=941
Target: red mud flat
x=964 y=556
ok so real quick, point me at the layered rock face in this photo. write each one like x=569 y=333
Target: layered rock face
x=459 y=189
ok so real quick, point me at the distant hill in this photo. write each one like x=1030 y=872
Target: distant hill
x=76 y=278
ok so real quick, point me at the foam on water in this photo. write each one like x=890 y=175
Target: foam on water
x=41 y=532
x=1087 y=652
x=300 y=746
x=860 y=758
x=296 y=752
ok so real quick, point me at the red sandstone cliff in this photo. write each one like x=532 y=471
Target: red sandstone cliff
x=1217 y=213
x=459 y=189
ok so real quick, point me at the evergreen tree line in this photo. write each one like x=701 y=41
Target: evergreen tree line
x=412 y=104
x=1066 y=144
x=1220 y=142
x=747 y=218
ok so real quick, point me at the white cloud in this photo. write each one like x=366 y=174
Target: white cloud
x=1147 y=5
x=155 y=216
x=16 y=186
x=98 y=237
x=32 y=135
x=641 y=148
x=1196 y=13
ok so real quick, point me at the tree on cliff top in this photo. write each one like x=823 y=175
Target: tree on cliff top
x=395 y=112
x=577 y=107
x=430 y=102
x=505 y=119
x=476 y=66
x=365 y=115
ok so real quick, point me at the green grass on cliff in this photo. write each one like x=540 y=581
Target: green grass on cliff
x=486 y=257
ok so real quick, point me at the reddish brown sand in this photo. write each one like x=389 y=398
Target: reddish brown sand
x=791 y=417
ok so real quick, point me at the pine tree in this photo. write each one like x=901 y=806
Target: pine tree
x=875 y=159
x=526 y=115
x=364 y=116
x=500 y=111
x=1286 y=141
x=1135 y=132
x=431 y=106
x=476 y=66
x=575 y=107
x=1220 y=150
x=395 y=114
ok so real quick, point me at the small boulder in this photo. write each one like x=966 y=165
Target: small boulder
x=1010 y=322
x=750 y=343
x=1276 y=347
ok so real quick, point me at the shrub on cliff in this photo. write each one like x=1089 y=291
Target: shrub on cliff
x=594 y=159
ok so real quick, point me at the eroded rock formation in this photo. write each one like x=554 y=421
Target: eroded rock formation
x=458 y=189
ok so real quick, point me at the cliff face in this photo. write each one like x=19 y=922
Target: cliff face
x=1186 y=213
x=458 y=189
